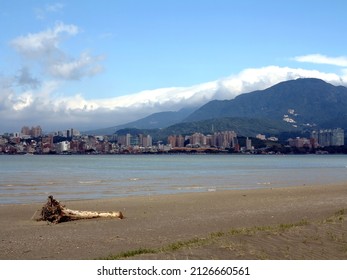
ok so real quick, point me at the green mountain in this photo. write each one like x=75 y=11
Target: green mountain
x=303 y=101
x=283 y=110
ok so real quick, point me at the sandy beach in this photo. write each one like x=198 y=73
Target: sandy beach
x=306 y=222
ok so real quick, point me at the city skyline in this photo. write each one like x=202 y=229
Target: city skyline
x=123 y=60
x=35 y=141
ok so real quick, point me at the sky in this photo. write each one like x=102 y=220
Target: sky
x=95 y=64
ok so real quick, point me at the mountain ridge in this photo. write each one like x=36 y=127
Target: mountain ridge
x=311 y=100
x=301 y=104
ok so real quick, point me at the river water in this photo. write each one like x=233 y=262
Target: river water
x=31 y=178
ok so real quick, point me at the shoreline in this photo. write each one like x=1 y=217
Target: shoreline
x=158 y=220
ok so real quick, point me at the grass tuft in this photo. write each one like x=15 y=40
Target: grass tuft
x=182 y=244
x=338 y=216
x=132 y=253
x=340 y=212
x=217 y=234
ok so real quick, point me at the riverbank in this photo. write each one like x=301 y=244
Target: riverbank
x=155 y=222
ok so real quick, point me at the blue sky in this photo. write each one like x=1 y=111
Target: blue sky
x=70 y=63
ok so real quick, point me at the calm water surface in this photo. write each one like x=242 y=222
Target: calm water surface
x=27 y=179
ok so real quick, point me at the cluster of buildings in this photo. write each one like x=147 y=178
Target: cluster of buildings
x=320 y=138
x=219 y=140
x=139 y=140
x=329 y=137
x=36 y=131
x=225 y=139
x=32 y=140
x=33 y=132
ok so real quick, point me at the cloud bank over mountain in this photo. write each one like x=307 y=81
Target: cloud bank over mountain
x=39 y=103
x=35 y=94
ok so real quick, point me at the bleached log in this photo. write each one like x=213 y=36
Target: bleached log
x=90 y=214
x=55 y=212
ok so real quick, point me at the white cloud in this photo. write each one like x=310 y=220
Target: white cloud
x=54 y=7
x=43 y=49
x=85 y=65
x=36 y=45
x=42 y=13
x=322 y=59
x=261 y=78
x=52 y=111
x=22 y=101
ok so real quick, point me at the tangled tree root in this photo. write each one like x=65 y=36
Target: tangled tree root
x=53 y=211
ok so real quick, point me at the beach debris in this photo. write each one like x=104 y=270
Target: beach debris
x=53 y=211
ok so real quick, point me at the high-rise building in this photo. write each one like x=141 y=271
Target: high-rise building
x=172 y=141
x=338 y=137
x=145 y=140
x=176 y=141
x=248 y=144
x=33 y=132
x=25 y=130
x=198 y=139
x=329 y=137
x=124 y=140
x=36 y=131
x=225 y=139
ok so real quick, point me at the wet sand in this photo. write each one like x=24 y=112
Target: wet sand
x=239 y=217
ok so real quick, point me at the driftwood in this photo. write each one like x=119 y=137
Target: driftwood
x=53 y=211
